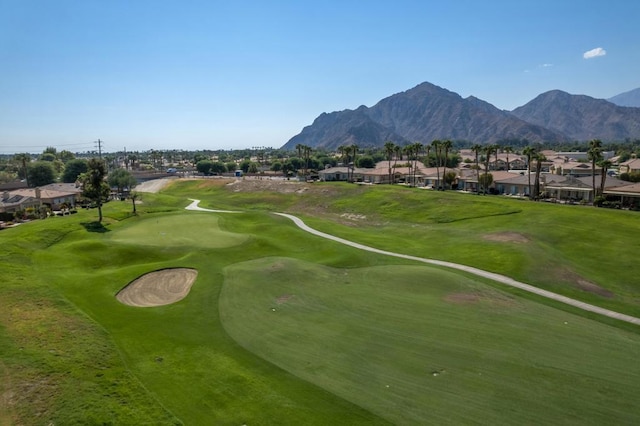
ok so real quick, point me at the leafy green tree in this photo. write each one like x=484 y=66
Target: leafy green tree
x=218 y=167
x=121 y=179
x=66 y=156
x=204 y=167
x=366 y=162
x=253 y=168
x=276 y=166
x=231 y=166
x=73 y=169
x=47 y=156
x=485 y=180
x=244 y=166
x=449 y=178
x=94 y=186
x=40 y=173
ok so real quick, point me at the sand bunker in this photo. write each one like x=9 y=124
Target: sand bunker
x=158 y=288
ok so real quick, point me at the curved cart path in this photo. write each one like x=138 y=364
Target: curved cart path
x=479 y=272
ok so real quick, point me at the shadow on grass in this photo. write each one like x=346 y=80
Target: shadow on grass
x=95 y=227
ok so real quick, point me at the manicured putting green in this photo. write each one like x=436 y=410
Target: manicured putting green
x=189 y=229
x=418 y=345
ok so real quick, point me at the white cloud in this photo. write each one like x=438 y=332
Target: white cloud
x=546 y=65
x=598 y=51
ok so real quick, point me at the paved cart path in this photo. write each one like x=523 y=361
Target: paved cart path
x=479 y=272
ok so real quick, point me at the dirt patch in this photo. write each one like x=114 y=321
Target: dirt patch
x=507 y=237
x=462 y=298
x=281 y=186
x=284 y=298
x=492 y=298
x=158 y=288
x=568 y=276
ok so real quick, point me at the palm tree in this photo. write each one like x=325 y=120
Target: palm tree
x=477 y=149
x=389 y=149
x=594 y=154
x=447 y=146
x=529 y=152
x=508 y=150
x=299 y=148
x=22 y=160
x=539 y=157
x=306 y=152
x=487 y=150
x=437 y=146
x=605 y=165
x=417 y=150
x=353 y=149
x=397 y=150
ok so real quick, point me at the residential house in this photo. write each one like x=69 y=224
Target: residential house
x=516 y=184
x=567 y=188
x=629 y=195
x=13 y=202
x=630 y=166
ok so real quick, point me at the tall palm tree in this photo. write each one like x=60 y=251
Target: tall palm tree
x=477 y=149
x=605 y=165
x=487 y=150
x=447 y=146
x=397 y=150
x=389 y=149
x=299 y=148
x=354 y=151
x=529 y=152
x=437 y=148
x=594 y=154
x=508 y=150
x=22 y=160
x=539 y=157
x=417 y=150
x=306 y=152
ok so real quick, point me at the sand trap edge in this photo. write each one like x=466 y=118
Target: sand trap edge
x=158 y=288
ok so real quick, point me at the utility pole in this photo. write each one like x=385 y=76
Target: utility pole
x=99 y=142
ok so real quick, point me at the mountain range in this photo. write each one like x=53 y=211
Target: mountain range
x=428 y=112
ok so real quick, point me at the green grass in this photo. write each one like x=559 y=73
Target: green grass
x=71 y=354
x=413 y=344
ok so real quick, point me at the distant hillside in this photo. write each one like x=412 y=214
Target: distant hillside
x=424 y=113
x=344 y=128
x=581 y=117
x=629 y=99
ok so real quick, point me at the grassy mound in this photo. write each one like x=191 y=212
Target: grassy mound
x=417 y=345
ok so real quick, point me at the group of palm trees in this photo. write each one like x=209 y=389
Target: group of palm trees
x=413 y=153
x=442 y=148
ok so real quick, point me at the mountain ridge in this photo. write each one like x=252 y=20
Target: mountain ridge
x=427 y=112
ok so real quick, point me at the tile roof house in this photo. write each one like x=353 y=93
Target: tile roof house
x=54 y=196
x=630 y=166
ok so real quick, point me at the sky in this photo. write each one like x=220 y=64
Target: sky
x=189 y=74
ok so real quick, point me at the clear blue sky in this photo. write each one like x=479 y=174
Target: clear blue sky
x=237 y=74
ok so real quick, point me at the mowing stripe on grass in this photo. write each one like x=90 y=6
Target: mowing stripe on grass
x=469 y=269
